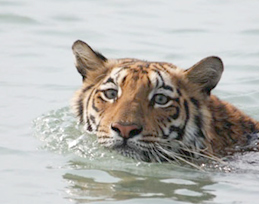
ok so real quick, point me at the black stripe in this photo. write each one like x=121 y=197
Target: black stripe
x=123 y=80
x=85 y=89
x=195 y=102
x=186 y=107
x=199 y=124
x=177 y=100
x=178 y=130
x=157 y=83
x=159 y=74
x=167 y=87
x=109 y=80
x=92 y=118
x=79 y=104
x=160 y=66
x=181 y=131
x=89 y=127
x=80 y=109
x=198 y=118
x=89 y=97
x=140 y=66
x=179 y=92
x=100 y=98
x=176 y=115
x=161 y=129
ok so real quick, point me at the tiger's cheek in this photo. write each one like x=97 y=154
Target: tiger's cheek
x=95 y=111
x=99 y=104
x=168 y=115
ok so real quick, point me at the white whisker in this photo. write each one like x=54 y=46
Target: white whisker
x=178 y=157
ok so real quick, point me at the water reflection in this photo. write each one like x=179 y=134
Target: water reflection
x=83 y=187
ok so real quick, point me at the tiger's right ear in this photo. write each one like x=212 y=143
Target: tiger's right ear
x=89 y=63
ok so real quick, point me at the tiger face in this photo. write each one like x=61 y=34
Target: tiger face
x=150 y=111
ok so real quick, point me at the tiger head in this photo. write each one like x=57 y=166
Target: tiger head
x=151 y=111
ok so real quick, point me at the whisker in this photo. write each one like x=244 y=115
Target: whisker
x=159 y=152
x=180 y=158
x=194 y=151
x=190 y=163
x=170 y=154
x=202 y=153
x=156 y=154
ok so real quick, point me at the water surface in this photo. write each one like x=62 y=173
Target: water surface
x=46 y=158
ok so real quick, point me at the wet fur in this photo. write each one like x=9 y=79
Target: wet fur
x=196 y=124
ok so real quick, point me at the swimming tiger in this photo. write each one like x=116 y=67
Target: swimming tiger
x=156 y=111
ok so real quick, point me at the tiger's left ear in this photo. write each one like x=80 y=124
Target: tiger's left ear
x=206 y=73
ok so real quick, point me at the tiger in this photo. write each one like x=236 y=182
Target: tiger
x=157 y=112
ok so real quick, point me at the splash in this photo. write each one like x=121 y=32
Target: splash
x=60 y=132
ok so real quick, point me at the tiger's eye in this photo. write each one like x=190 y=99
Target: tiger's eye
x=161 y=99
x=110 y=93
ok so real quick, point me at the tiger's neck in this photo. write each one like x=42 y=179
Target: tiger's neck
x=229 y=126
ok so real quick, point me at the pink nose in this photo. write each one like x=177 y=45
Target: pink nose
x=126 y=130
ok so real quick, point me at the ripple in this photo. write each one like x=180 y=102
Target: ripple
x=187 y=192
x=66 y=18
x=179 y=181
x=10 y=3
x=17 y=19
x=250 y=32
x=187 y=31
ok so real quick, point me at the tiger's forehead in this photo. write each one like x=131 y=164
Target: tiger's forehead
x=157 y=74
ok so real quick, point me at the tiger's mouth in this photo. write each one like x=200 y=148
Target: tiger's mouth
x=129 y=141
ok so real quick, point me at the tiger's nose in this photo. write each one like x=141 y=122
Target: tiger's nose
x=126 y=130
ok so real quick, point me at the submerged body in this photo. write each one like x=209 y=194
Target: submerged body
x=155 y=111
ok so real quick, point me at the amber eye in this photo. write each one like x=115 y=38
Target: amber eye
x=160 y=99
x=110 y=93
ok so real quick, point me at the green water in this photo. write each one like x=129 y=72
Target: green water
x=46 y=157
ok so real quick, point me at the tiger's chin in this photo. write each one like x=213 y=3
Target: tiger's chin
x=148 y=156
x=134 y=154
x=144 y=154
x=131 y=153
x=129 y=150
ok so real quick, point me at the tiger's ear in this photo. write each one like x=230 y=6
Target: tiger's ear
x=206 y=73
x=89 y=63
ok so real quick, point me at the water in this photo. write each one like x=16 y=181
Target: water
x=45 y=157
